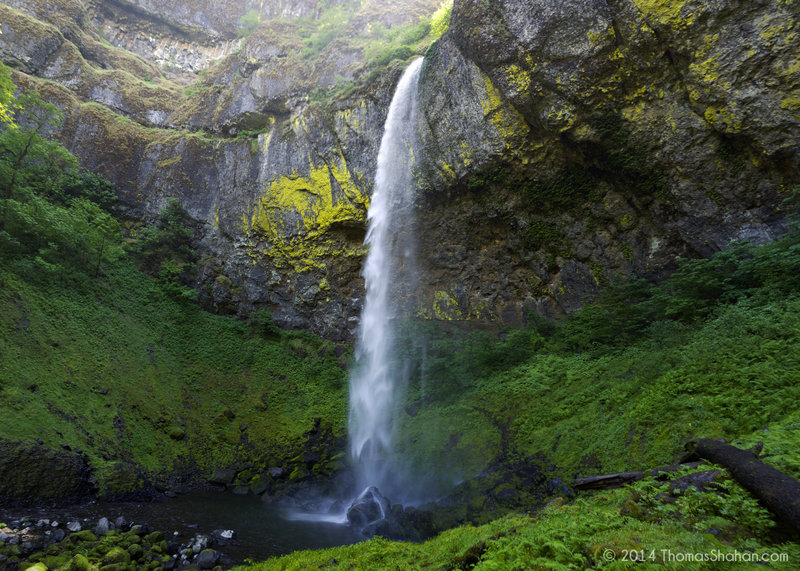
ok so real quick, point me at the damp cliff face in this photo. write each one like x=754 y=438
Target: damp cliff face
x=561 y=143
x=571 y=141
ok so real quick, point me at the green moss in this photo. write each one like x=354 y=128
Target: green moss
x=170 y=361
x=79 y=563
x=117 y=556
x=296 y=212
x=84 y=535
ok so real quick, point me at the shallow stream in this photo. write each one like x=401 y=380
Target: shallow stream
x=262 y=530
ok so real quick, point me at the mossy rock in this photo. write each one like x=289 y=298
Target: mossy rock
x=120 y=480
x=79 y=563
x=116 y=555
x=135 y=551
x=84 y=535
x=56 y=561
x=176 y=433
x=259 y=484
x=243 y=478
x=36 y=567
x=299 y=473
x=154 y=537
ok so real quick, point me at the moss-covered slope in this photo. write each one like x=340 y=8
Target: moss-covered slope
x=155 y=391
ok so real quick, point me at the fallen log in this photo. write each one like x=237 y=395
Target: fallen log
x=779 y=492
x=607 y=481
x=611 y=481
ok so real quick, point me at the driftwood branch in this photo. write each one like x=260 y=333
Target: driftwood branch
x=779 y=492
x=611 y=481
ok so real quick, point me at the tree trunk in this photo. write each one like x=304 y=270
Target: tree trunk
x=779 y=492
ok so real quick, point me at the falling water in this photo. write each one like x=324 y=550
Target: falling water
x=374 y=383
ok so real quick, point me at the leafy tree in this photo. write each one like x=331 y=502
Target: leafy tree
x=261 y=323
x=82 y=183
x=53 y=214
x=28 y=160
x=165 y=251
x=25 y=143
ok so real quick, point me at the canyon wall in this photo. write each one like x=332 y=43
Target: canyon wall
x=563 y=143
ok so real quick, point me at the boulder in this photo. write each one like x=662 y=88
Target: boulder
x=207 y=559
x=223 y=477
x=369 y=507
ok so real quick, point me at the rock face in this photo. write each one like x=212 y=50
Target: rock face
x=562 y=143
x=34 y=474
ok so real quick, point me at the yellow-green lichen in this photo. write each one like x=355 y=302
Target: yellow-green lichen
x=518 y=78
x=724 y=119
x=504 y=117
x=169 y=162
x=666 y=12
x=444 y=307
x=296 y=211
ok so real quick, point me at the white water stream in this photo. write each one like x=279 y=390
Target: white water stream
x=374 y=383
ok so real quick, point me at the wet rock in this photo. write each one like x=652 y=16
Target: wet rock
x=369 y=507
x=103 y=527
x=223 y=534
x=74 y=526
x=198 y=543
x=207 y=559
x=116 y=556
x=121 y=523
x=141 y=529
x=223 y=477
x=260 y=484
x=135 y=551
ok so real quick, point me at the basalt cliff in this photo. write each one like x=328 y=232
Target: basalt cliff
x=562 y=143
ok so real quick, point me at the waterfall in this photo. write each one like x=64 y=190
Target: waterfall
x=374 y=384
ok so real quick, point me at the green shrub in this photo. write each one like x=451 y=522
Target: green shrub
x=248 y=23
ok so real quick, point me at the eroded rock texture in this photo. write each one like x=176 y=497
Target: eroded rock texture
x=562 y=142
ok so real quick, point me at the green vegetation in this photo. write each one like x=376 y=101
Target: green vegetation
x=165 y=252
x=624 y=382
x=650 y=525
x=248 y=23
x=102 y=352
x=6 y=95
x=54 y=215
x=620 y=385
x=320 y=32
x=381 y=46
